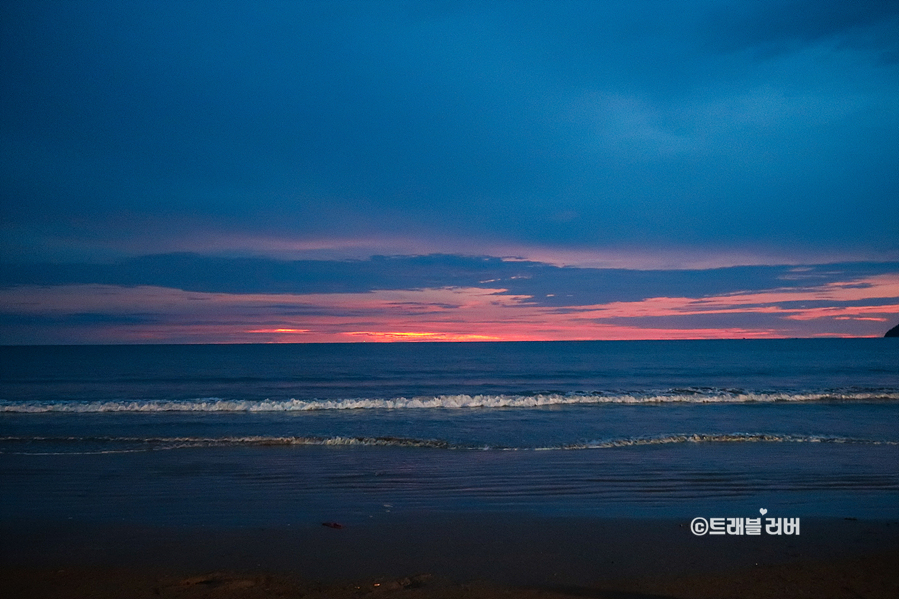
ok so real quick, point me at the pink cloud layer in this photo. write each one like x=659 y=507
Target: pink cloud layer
x=858 y=307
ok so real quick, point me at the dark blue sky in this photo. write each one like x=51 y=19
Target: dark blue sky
x=638 y=135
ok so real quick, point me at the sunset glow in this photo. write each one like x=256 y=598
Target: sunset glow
x=151 y=314
x=419 y=336
x=362 y=172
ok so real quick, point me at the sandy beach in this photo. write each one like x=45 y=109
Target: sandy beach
x=451 y=556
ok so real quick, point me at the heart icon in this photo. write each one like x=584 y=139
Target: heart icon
x=763 y=511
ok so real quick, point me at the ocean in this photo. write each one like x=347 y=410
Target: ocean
x=275 y=435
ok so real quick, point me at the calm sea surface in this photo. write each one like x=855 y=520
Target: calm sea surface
x=241 y=435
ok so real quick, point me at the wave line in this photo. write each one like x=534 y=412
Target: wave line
x=139 y=444
x=459 y=401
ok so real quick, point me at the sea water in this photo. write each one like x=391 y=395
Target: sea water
x=241 y=435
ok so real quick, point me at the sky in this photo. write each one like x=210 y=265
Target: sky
x=327 y=171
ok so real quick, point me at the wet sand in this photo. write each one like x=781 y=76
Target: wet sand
x=479 y=555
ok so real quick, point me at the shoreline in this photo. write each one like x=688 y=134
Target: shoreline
x=423 y=555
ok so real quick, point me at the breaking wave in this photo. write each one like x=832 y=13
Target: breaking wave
x=216 y=404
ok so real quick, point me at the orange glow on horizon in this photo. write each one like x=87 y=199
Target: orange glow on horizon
x=420 y=336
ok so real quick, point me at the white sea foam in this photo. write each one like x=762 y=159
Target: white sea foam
x=461 y=401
